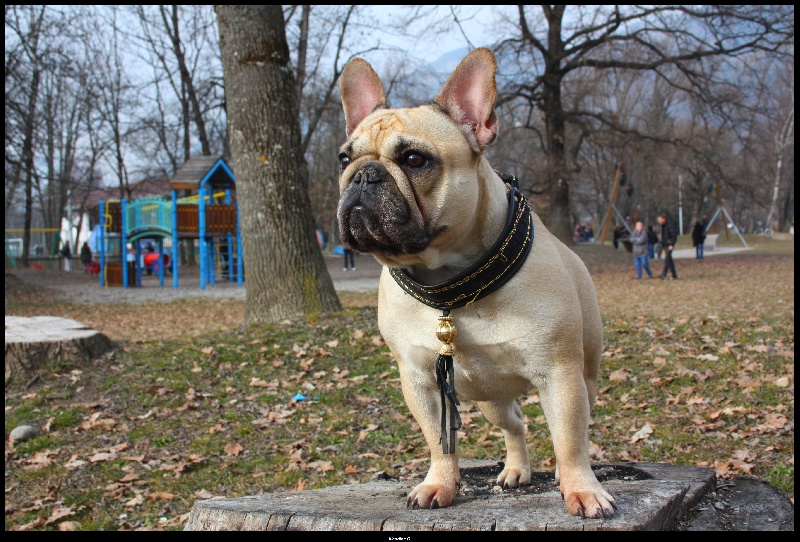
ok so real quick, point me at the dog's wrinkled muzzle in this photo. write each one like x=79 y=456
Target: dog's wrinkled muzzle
x=374 y=216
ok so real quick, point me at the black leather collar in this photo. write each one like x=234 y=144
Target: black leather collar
x=493 y=270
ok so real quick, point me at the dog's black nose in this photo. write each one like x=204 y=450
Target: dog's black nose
x=371 y=172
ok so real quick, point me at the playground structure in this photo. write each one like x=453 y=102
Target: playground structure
x=211 y=216
x=726 y=218
x=620 y=179
x=44 y=241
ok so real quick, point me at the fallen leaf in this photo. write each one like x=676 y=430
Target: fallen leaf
x=708 y=357
x=163 y=495
x=75 y=463
x=363 y=434
x=782 y=382
x=39 y=460
x=595 y=452
x=642 y=433
x=741 y=466
x=321 y=466
x=68 y=526
x=38 y=522
x=204 y=494
x=369 y=455
x=258 y=383
x=620 y=375
x=136 y=501
x=58 y=513
x=233 y=449
x=103 y=456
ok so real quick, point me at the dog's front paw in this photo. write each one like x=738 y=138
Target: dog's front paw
x=592 y=502
x=514 y=477
x=427 y=495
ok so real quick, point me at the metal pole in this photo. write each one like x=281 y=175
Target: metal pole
x=69 y=216
x=680 y=204
x=124 y=219
x=175 y=248
x=724 y=222
x=102 y=220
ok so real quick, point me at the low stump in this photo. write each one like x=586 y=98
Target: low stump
x=649 y=496
x=34 y=342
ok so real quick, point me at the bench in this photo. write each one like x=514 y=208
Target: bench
x=711 y=241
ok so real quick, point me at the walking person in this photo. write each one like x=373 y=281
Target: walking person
x=86 y=258
x=349 y=258
x=652 y=241
x=668 y=239
x=639 y=242
x=699 y=239
x=66 y=253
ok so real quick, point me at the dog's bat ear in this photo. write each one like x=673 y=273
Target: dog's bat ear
x=469 y=96
x=362 y=92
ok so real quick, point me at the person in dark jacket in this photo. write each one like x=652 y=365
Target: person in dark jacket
x=652 y=241
x=86 y=258
x=668 y=239
x=698 y=239
x=66 y=253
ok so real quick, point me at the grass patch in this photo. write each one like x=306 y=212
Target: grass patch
x=707 y=362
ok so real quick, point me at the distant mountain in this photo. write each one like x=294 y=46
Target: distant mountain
x=424 y=82
x=445 y=64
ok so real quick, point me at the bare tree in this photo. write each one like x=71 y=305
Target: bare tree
x=677 y=43
x=29 y=26
x=181 y=41
x=117 y=98
x=765 y=131
x=781 y=139
x=286 y=274
x=183 y=61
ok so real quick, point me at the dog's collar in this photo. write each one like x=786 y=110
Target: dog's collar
x=494 y=269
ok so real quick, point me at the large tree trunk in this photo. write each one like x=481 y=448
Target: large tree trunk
x=553 y=205
x=286 y=273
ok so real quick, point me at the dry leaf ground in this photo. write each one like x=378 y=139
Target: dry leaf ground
x=698 y=371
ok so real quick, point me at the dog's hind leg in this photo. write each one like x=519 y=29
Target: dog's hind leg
x=508 y=416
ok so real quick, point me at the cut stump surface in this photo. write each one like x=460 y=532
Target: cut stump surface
x=34 y=342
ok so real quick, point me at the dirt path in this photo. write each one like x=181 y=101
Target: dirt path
x=79 y=287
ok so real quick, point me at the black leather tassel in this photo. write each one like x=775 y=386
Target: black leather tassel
x=446 y=332
x=447 y=392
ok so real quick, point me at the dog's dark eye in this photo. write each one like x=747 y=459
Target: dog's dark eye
x=414 y=159
x=344 y=160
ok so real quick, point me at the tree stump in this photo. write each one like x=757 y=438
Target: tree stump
x=33 y=342
x=649 y=497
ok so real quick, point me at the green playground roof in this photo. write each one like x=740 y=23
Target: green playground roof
x=212 y=171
